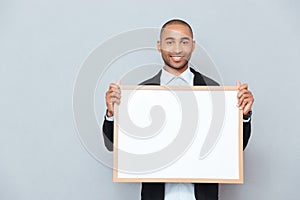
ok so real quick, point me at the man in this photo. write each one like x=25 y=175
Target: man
x=176 y=45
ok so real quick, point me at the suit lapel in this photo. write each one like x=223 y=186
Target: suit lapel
x=198 y=79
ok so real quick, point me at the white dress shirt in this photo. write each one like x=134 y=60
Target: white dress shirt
x=178 y=191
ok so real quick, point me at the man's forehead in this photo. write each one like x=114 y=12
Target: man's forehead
x=176 y=30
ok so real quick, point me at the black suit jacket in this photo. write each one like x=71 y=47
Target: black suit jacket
x=156 y=191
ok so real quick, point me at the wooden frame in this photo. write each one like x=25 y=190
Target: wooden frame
x=222 y=163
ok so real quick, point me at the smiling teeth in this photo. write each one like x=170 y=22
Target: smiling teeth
x=176 y=58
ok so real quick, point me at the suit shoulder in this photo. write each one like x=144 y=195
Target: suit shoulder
x=201 y=79
x=155 y=80
x=210 y=81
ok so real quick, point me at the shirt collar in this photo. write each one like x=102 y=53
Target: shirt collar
x=187 y=76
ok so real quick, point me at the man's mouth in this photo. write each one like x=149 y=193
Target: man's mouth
x=177 y=58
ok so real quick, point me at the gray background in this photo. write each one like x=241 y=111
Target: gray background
x=42 y=46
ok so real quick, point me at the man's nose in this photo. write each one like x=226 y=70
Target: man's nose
x=177 y=48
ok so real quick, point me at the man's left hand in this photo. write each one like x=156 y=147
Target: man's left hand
x=245 y=98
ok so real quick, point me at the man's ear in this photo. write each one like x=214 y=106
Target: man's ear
x=194 y=44
x=158 y=44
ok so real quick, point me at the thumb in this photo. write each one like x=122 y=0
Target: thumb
x=118 y=82
x=238 y=83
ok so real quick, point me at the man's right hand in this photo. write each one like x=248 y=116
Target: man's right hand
x=113 y=95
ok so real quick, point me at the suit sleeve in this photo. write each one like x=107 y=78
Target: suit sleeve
x=108 y=134
x=246 y=133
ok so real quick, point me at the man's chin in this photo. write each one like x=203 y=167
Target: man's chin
x=178 y=67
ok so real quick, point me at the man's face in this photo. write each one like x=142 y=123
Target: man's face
x=176 y=46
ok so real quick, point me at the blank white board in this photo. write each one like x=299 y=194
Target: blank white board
x=178 y=134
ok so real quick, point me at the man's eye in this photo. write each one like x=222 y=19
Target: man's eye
x=185 y=42
x=169 y=42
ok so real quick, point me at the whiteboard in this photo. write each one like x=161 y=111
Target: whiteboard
x=178 y=134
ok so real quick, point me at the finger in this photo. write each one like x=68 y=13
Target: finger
x=246 y=104
x=115 y=101
x=242 y=106
x=243 y=97
x=114 y=86
x=244 y=86
x=115 y=90
x=238 y=84
x=115 y=95
x=118 y=101
x=118 y=82
x=113 y=98
x=241 y=86
x=242 y=92
x=246 y=107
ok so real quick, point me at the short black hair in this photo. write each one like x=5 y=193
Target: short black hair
x=175 y=21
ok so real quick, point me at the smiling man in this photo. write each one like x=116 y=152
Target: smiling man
x=176 y=46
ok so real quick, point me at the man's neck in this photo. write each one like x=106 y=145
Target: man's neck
x=175 y=72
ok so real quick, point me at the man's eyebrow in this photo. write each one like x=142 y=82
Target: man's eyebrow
x=170 y=38
x=183 y=38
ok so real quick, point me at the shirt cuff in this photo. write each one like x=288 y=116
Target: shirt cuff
x=247 y=120
x=111 y=119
